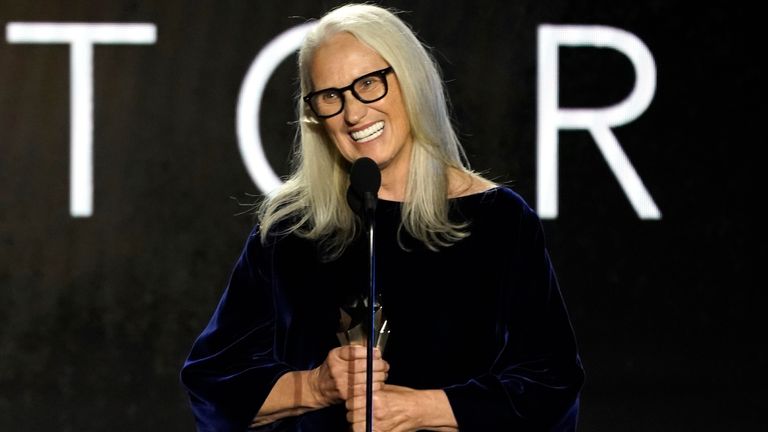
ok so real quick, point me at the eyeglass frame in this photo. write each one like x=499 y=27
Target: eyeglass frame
x=383 y=73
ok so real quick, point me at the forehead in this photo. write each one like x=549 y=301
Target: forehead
x=342 y=58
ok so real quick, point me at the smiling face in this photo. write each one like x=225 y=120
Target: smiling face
x=379 y=130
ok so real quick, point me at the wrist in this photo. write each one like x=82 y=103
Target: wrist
x=315 y=397
x=436 y=413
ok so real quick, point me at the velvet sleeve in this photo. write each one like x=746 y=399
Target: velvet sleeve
x=231 y=368
x=535 y=380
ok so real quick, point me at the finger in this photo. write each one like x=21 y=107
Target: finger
x=357 y=382
x=340 y=366
x=354 y=372
x=352 y=352
x=380 y=365
x=362 y=379
x=356 y=416
x=356 y=410
x=359 y=390
x=360 y=365
x=355 y=406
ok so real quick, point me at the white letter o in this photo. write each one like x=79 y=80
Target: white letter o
x=249 y=104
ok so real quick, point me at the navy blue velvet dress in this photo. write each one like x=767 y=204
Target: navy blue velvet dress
x=482 y=319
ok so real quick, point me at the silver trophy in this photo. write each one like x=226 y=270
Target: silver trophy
x=353 y=324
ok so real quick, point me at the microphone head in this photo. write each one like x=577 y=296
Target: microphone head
x=364 y=176
x=355 y=201
x=364 y=183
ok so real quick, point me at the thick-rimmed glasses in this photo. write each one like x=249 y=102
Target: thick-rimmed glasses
x=367 y=88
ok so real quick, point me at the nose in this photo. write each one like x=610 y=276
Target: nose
x=354 y=110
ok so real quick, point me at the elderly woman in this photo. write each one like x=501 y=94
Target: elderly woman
x=480 y=338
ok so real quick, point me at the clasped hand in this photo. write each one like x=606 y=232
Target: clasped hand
x=342 y=379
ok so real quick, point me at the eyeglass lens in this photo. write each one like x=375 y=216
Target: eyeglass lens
x=369 y=88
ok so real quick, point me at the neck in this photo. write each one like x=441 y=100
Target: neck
x=394 y=174
x=394 y=180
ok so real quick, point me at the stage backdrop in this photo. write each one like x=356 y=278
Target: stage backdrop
x=135 y=135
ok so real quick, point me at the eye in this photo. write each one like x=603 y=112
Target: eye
x=368 y=84
x=329 y=96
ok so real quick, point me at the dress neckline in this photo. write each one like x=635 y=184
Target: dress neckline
x=475 y=195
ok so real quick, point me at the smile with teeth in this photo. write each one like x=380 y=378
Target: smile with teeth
x=370 y=133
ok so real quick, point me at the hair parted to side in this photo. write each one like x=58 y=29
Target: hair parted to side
x=313 y=199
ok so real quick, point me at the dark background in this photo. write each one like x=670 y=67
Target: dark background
x=97 y=314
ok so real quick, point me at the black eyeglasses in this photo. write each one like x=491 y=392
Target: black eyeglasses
x=367 y=88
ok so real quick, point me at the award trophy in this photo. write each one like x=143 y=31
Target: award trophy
x=353 y=324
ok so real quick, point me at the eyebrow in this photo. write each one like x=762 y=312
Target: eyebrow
x=350 y=82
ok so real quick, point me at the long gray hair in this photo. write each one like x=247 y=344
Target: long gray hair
x=313 y=199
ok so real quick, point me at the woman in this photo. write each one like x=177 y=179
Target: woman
x=480 y=340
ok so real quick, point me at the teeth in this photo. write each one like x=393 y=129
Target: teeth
x=369 y=133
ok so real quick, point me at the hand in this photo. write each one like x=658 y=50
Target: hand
x=343 y=374
x=395 y=409
x=402 y=409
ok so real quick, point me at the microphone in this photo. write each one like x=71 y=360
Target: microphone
x=364 y=183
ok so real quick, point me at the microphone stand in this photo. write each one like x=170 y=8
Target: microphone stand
x=365 y=181
x=370 y=223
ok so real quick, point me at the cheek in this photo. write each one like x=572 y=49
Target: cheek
x=332 y=131
x=400 y=116
x=402 y=127
x=339 y=141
